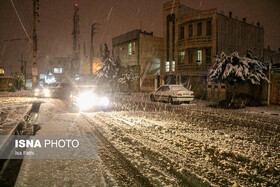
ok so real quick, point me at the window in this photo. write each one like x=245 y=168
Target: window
x=190 y=30
x=182 y=32
x=166 y=88
x=181 y=57
x=208 y=28
x=42 y=76
x=208 y=55
x=199 y=57
x=133 y=47
x=199 y=29
x=173 y=66
x=190 y=57
x=130 y=49
x=2 y=71
x=167 y=65
x=160 y=89
x=57 y=70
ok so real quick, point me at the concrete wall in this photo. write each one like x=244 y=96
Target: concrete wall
x=151 y=56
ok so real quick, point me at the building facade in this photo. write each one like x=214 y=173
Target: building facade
x=143 y=52
x=274 y=76
x=63 y=68
x=193 y=37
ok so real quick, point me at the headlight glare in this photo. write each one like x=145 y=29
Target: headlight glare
x=104 y=101
x=86 y=100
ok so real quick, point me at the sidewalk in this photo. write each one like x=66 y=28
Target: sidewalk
x=54 y=120
x=23 y=93
x=274 y=111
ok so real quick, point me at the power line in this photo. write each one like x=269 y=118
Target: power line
x=21 y=21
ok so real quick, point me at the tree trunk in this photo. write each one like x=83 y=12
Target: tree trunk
x=233 y=96
x=128 y=87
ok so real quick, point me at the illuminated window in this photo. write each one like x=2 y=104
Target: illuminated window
x=130 y=49
x=199 y=57
x=133 y=47
x=173 y=66
x=42 y=76
x=57 y=70
x=181 y=57
x=2 y=71
x=167 y=65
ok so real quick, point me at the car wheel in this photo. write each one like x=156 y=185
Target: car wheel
x=170 y=100
x=152 y=97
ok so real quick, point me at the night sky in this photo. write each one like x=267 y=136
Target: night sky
x=115 y=17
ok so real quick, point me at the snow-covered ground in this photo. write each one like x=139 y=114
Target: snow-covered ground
x=12 y=109
x=169 y=145
x=22 y=93
x=174 y=144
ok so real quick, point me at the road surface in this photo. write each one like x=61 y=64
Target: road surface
x=149 y=144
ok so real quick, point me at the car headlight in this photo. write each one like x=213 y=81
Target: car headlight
x=104 y=101
x=86 y=100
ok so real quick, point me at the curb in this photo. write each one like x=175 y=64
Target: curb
x=273 y=114
x=11 y=128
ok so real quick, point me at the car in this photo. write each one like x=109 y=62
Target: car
x=86 y=97
x=57 y=90
x=172 y=94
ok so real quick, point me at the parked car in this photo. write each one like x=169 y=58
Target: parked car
x=172 y=94
x=57 y=89
x=86 y=97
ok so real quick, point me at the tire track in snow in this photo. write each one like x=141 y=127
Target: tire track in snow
x=126 y=174
x=225 y=160
x=165 y=164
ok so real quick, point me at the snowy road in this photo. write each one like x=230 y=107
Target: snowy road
x=151 y=144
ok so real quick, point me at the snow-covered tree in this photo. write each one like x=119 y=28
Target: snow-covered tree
x=18 y=81
x=109 y=67
x=234 y=69
x=128 y=77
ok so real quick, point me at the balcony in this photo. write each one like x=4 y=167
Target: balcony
x=185 y=67
x=195 y=40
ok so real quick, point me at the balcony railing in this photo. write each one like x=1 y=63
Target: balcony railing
x=184 y=67
x=195 y=40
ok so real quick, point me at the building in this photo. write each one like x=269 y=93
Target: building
x=274 y=75
x=193 y=37
x=143 y=52
x=62 y=68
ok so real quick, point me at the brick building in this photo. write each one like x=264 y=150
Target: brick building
x=193 y=37
x=143 y=52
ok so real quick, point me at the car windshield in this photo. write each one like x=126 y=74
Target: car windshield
x=53 y=85
x=176 y=88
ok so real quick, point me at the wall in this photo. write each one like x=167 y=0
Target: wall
x=151 y=56
x=235 y=35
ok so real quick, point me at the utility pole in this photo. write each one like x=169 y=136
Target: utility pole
x=93 y=28
x=76 y=32
x=75 y=63
x=34 y=60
